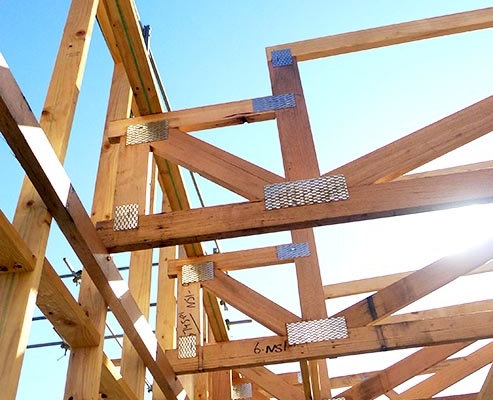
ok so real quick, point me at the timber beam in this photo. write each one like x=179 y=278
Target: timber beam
x=368 y=339
x=196 y=119
x=422 y=146
x=388 y=35
x=234 y=260
x=364 y=203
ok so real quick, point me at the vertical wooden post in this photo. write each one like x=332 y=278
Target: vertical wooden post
x=300 y=162
x=84 y=371
x=31 y=218
x=132 y=187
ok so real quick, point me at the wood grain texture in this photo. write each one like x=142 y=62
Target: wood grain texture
x=249 y=302
x=388 y=35
x=413 y=287
x=365 y=202
x=15 y=256
x=31 y=219
x=33 y=151
x=241 y=353
x=418 y=148
x=448 y=376
x=219 y=166
x=196 y=119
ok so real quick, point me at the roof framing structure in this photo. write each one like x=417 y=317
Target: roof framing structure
x=143 y=146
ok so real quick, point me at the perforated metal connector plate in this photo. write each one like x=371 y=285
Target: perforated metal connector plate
x=148 y=132
x=305 y=192
x=278 y=102
x=241 y=391
x=187 y=346
x=281 y=58
x=197 y=272
x=317 y=330
x=293 y=250
x=126 y=217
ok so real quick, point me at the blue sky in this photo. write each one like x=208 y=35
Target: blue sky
x=213 y=52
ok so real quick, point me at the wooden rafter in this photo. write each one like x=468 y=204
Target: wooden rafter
x=420 y=147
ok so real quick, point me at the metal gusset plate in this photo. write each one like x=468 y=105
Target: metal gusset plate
x=241 y=391
x=197 y=272
x=293 y=250
x=278 y=102
x=305 y=192
x=317 y=330
x=148 y=132
x=126 y=217
x=187 y=346
x=281 y=58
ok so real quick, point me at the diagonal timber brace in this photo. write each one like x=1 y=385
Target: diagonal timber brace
x=34 y=152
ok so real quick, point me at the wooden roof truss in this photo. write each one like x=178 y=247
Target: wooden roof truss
x=208 y=363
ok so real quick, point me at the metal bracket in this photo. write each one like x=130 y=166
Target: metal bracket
x=191 y=273
x=317 y=330
x=305 y=192
x=281 y=58
x=241 y=391
x=293 y=250
x=187 y=346
x=148 y=132
x=126 y=217
x=278 y=102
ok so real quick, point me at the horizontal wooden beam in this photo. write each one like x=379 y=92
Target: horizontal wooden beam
x=387 y=35
x=15 y=255
x=219 y=166
x=233 y=260
x=262 y=351
x=365 y=202
x=421 y=146
x=35 y=154
x=197 y=119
